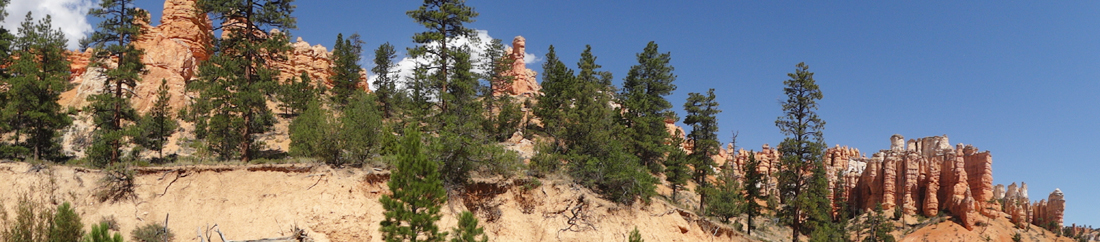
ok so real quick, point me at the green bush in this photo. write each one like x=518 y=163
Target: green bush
x=32 y=222
x=101 y=233
x=66 y=225
x=152 y=232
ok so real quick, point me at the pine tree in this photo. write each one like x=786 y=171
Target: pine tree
x=385 y=80
x=346 y=54
x=677 y=172
x=468 y=230
x=295 y=94
x=445 y=21
x=879 y=227
x=114 y=40
x=643 y=99
x=234 y=83
x=40 y=72
x=417 y=195
x=753 y=181
x=155 y=127
x=803 y=147
x=727 y=199
x=66 y=224
x=635 y=236
x=504 y=115
x=558 y=94
x=819 y=222
x=704 y=132
x=6 y=39
x=101 y=233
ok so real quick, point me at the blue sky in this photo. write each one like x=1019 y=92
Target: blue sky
x=1016 y=78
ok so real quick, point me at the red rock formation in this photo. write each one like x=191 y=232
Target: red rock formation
x=173 y=51
x=523 y=79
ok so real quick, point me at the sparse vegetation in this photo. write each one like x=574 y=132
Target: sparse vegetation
x=152 y=232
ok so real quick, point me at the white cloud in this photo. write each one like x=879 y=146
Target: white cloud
x=477 y=46
x=69 y=15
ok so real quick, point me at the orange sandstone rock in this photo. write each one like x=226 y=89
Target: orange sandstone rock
x=523 y=80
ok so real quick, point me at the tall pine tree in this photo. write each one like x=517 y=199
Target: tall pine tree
x=114 y=41
x=234 y=83
x=385 y=81
x=6 y=41
x=345 y=77
x=753 y=181
x=416 y=195
x=445 y=21
x=802 y=149
x=39 y=74
x=701 y=111
x=156 y=126
x=645 y=106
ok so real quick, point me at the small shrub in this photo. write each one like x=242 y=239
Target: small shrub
x=117 y=184
x=635 y=236
x=100 y=233
x=1017 y=237
x=66 y=224
x=152 y=232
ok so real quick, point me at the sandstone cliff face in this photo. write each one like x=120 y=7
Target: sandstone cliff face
x=523 y=79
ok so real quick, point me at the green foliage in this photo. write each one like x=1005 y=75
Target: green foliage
x=577 y=113
x=295 y=94
x=878 y=226
x=314 y=133
x=445 y=21
x=32 y=222
x=803 y=147
x=38 y=76
x=345 y=67
x=152 y=232
x=234 y=83
x=155 y=127
x=677 y=171
x=643 y=99
x=385 y=80
x=753 y=181
x=66 y=225
x=704 y=132
x=113 y=41
x=635 y=236
x=726 y=199
x=417 y=195
x=506 y=119
x=100 y=233
x=468 y=230
x=360 y=126
x=1016 y=237
x=818 y=207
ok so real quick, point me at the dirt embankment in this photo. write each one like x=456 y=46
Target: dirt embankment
x=255 y=201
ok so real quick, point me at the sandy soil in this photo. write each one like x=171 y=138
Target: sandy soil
x=264 y=201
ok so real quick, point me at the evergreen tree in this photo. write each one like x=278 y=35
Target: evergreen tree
x=156 y=126
x=234 y=83
x=802 y=149
x=295 y=94
x=819 y=222
x=879 y=227
x=346 y=54
x=468 y=230
x=727 y=199
x=635 y=236
x=114 y=41
x=643 y=99
x=704 y=132
x=417 y=195
x=101 y=233
x=445 y=21
x=557 y=98
x=40 y=72
x=360 y=126
x=753 y=181
x=313 y=134
x=6 y=39
x=676 y=167
x=504 y=115
x=66 y=225
x=385 y=81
